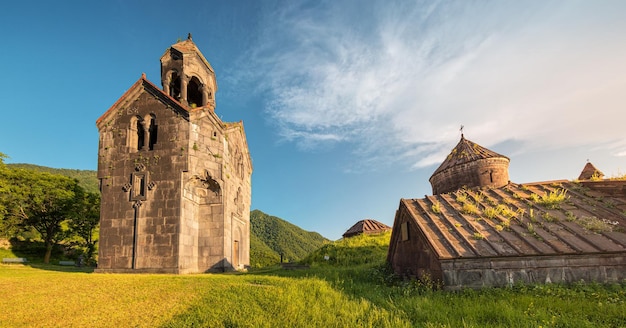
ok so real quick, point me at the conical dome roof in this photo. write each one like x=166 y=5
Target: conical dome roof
x=466 y=151
x=470 y=165
x=366 y=226
x=590 y=171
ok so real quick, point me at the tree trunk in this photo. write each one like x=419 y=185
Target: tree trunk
x=46 y=258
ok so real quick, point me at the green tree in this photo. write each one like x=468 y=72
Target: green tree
x=86 y=220
x=43 y=201
x=3 y=187
x=9 y=224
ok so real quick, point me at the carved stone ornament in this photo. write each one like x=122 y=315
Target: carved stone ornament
x=132 y=110
x=209 y=183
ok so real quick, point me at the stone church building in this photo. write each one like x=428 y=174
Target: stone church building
x=175 y=180
x=480 y=230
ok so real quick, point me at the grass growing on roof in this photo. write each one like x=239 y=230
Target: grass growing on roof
x=550 y=200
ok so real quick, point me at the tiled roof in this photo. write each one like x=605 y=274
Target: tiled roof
x=188 y=46
x=515 y=221
x=185 y=46
x=590 y=171
x=142 y=83
x=466 y=151
x=366 y=226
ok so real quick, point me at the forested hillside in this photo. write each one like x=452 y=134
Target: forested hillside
x=261 y=255
x=281 y=237
x=86 y=178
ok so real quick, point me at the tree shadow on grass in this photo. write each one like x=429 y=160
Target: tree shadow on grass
x=61 y=268
x=33 y=252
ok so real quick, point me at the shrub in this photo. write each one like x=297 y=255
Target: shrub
x=479 y=197
x=569 y=216
x=505 y=211
x=551 y=199
x=594 y=224
x=436 y=207
x=549 y=218
x=470 y=208
x=461 y=197
x=491 y=212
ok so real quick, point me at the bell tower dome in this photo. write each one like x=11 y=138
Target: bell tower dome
x=187 y=76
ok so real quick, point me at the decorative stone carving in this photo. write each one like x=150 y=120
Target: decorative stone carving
x=209 y=183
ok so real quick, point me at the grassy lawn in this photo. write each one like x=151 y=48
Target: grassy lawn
x=345 y=286
x=323 y=296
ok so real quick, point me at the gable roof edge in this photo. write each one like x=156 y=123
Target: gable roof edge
x=152 y=89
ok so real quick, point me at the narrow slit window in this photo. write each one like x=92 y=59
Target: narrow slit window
x=140 y=135
x=153 y=131
x=404 y=231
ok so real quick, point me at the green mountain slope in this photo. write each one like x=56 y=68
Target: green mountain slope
x=86 y=178
x=260 y=254
x=281 y=237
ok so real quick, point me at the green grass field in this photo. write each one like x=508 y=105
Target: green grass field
x=339 y=292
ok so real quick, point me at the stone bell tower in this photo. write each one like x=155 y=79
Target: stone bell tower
x=187 y=76
x=175 y=180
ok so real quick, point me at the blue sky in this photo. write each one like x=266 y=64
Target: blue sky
x=348 y=106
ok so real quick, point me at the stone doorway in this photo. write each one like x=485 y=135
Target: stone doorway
x=236 y=254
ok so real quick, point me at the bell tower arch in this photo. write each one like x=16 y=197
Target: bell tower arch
x=187 y=76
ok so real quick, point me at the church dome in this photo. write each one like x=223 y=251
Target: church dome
x=470 y=165
x=590 y=172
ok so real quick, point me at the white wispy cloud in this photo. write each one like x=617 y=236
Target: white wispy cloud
x=396 y=79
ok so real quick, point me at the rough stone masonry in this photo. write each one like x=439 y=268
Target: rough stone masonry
x=175 y=180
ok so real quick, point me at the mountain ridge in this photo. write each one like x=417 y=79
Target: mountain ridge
x=282 y=238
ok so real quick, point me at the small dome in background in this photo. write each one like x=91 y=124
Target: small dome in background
x=590 y=172
x=367 y=226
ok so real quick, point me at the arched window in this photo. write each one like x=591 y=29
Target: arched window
x=136 y=136
x=152 y=131
x=140 y=134
x=194 y=92
x=175 y=85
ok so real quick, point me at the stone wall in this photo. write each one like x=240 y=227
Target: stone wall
x=489 y=172
x=217 y=192
x=410 y=255
x=500 y=272
x=121 y=168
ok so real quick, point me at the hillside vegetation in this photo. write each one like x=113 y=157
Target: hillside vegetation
x=347 y=290
x=281 y=237
x=87 y=179
x=357 y=250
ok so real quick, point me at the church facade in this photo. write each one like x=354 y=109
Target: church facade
x=175 y=180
